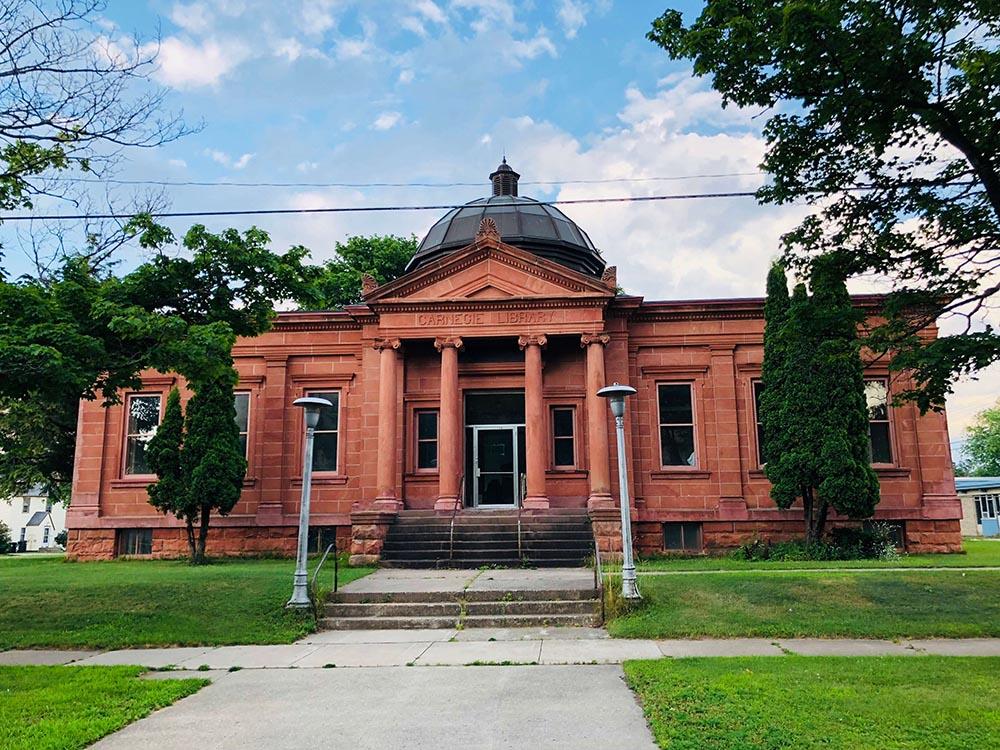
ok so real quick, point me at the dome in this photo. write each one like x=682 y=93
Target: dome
x=523 y=222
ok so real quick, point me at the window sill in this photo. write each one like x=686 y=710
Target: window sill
x=131 y=482
x=249 y=481
x=680 y=473
x=321 y=481
x=889 y=471
x=566 y=472
x=427 y=475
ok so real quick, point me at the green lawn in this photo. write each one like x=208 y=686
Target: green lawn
x=48 y=602
x=767 y=703
x=978 y=553
x=61 y=708
x=881 y=604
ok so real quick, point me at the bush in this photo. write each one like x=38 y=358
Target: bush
x=616 y=605
x=844 y=543
x=61 y=538
x=4 y=538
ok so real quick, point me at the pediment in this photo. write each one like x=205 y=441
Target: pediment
x=488 y=270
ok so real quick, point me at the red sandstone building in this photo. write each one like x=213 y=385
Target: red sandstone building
x=468 y=386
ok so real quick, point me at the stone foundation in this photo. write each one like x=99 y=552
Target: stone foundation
x=168 y=543
x=368 y=532
x=606 y=524
x=934 y=536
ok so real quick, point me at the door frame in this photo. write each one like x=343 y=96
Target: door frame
x=513 y=429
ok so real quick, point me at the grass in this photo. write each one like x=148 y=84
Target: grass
x=889 y=604
x=61 y=708
x=50 y=603
x=833 y=703
x=978 y=553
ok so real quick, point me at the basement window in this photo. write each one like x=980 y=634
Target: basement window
x=134 y=542
x=684 y=536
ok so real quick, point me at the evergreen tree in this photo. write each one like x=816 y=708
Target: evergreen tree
x=818 y=417
x=775 y=317
x=169 y=493
x=212 y=460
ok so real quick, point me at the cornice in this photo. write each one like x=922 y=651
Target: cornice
x=520 y=303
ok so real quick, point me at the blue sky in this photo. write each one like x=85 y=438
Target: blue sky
x=434 y=91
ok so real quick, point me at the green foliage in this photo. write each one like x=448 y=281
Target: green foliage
x=86 y=335
x=212 y=461
x=5 y=537
x=73 y=707
x=983 y=445
x=163 y=454
x=339 y=282
x=815 y=415
x=899 y=99
x=61 y=538
x=875 y=543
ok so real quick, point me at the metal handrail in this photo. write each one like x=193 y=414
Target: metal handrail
x=459 y=503
x=523 y=481
x=322 y=560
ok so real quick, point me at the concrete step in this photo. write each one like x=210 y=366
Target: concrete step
x=538 y=608
x=549 y=595
x=478 y=621
x=395 y=609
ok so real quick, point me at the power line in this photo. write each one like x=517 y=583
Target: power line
x=371 y=209
x=480 y=183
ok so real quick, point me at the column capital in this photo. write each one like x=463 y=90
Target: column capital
x=386 y=343
x=532 y=340
x=446 y=342
x=594 y=338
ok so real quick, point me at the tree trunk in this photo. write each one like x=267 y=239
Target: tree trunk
x=206 y=511
x=189 y=527
x=807 y=509
x=824 y=508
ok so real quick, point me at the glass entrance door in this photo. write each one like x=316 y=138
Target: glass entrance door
x=497 y=466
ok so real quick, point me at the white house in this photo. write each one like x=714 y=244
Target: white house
x=33 y=519
x=980 y=505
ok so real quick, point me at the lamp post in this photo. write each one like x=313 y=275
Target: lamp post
x=615 y=394
x=300 y=587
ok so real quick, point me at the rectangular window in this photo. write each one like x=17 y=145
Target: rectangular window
x=321 y=537
x=897 y=530
x=45 y=535
x=877 y=396
x=427 y=439
x=325 y=442
x=135 y=541
x=242 y=403
x=563 y=438
x=676 y=425
x=143 y=419
x=682 y=537
x=987 y=506
x=758 y=390
x=26 y=505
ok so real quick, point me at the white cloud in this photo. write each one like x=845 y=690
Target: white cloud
x=184 y=64
x=529 y=49
x=316 y=16
x=486 y=139
x=350 y=48
x=221 y=157
x=387 y=120
x=430 y=11
x=414 y=24
x=194 y=17
x=406 y=76
x=573 y=16
x=307 y=166
x=177 y=163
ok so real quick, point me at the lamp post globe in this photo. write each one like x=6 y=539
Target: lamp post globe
x=300 y=587
x=616 y=395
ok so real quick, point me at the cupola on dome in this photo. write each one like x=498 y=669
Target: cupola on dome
x=523 y=222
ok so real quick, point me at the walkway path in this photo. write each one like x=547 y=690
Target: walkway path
x=396 y=648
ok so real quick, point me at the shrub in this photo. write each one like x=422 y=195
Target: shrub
x=844 y=543
x=4 y=538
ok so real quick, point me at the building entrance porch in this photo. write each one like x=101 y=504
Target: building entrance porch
x=495 y=460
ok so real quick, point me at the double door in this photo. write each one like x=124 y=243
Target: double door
x=498 y=465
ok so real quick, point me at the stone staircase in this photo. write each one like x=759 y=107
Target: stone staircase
x=550 y=538
x=467 y=609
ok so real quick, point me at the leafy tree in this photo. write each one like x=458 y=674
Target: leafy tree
x=5 y=538
x=818 y=419
x=62 y=538
x=86 y=334
x=982 y=449
x=339 y=282
x=884 y=121
x=72 y=99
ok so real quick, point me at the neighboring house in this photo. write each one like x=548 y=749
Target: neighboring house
x=468 y=386
x=980 y=505
x=33 y=520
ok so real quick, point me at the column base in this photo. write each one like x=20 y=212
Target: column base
x=446 y=504
x=600 y=500
x=387 y=504
x=537 y=502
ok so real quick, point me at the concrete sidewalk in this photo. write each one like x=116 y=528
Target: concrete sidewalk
x=449 y=707
x=396 y=648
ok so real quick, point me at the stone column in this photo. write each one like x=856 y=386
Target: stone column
x=536 y=449
x=449 y=425
x=387 y=495
x=274 y=471
x=728 y=460
x=597 y=423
